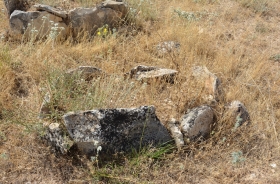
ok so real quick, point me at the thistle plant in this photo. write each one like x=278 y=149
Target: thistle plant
x=237 y=157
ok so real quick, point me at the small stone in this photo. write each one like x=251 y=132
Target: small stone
x=176 y=133
x=147 y=73
x=86 y=72
x=197 y=122
x=212 y=83
x=238 y=113
x=168 y=47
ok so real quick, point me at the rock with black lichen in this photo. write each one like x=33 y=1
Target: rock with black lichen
x=115 y=130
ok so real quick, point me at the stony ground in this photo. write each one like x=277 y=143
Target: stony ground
x=237 y=40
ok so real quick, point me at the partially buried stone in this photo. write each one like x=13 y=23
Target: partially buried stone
x=197 y=123
x=238 y=113
x=168 y=47
x=148 y=73
x=86 y=72
x=176 y=133
x=115 y=130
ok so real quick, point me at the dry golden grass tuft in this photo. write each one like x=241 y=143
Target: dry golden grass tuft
x=233 y=39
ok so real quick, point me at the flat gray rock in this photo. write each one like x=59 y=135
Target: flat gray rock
x=150 y=72
x=197 y=122
x=115 y=130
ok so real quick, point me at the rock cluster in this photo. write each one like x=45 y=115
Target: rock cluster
x=49 y=22
x=124 y=129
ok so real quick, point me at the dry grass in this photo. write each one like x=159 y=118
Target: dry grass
x=234 y=39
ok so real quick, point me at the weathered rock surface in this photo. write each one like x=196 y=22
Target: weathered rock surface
x=238 y=113
x=57 y=139
x=176 y=133
x=197 y=122
x=115 y=130
x=86 y=72
x=150 y=72
x=168 y=47
x=36 y=25
x=88 y=20
x=119 y=6
x=52 y=10
x=13 y=5
x=212 y=83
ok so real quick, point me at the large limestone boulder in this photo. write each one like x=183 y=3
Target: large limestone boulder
x=148 y=73
x=197 y=122
x=36 y=25
x=115 y=130
x=88 y=20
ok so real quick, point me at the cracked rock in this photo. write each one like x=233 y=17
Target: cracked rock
x=115 y=130
x=197 y=123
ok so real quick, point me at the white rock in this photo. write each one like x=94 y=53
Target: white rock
x=176 y=133
x=197 y=122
